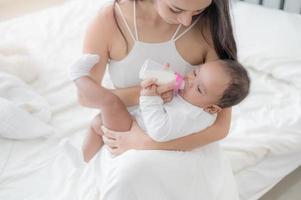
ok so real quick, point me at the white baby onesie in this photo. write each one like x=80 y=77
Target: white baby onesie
x=178 y=118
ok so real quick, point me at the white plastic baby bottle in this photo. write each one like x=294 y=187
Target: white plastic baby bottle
x=152 y=69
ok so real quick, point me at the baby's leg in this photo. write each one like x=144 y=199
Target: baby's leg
x=114 y=113
x=116 y=119
x=114 y=116
x=93 y=141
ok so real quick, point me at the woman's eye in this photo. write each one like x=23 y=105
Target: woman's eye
x=175 y=11
x=198 y=12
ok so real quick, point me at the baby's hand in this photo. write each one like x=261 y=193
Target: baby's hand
x=149 y=87
x=166 y=91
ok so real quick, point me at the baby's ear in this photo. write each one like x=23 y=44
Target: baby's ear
x=212 y=109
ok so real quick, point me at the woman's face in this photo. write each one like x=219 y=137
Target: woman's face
x=180 y=11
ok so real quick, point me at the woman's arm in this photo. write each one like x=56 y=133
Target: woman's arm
x=98 y=40
x=136 y=138
x=129 y=96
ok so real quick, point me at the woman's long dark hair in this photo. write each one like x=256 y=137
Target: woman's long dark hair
x=217 y=17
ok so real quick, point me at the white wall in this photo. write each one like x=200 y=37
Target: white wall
x=15 y=8
x=289 y=5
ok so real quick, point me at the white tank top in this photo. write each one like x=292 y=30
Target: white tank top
x=124 y=73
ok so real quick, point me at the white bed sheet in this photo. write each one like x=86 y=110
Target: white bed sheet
x=265 y=131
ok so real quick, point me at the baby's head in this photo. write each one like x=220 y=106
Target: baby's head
x=216 y=85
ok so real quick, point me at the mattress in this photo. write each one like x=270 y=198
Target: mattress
x=265 y=132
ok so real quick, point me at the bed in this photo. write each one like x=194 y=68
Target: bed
x=264 y=144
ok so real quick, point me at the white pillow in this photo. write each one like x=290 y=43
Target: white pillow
x=17 y=123
x=269 y=41
x=262 y=31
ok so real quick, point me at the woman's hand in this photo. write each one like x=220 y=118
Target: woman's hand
x=120 y=142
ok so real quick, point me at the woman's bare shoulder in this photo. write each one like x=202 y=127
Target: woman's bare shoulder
x=102 y=27
x=98 y=38
x=105 y=17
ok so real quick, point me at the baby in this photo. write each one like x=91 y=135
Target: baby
x=208 y=89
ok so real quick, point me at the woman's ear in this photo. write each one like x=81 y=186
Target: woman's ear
x=212 y=109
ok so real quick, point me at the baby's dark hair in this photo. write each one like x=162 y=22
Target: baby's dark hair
x=238 y=88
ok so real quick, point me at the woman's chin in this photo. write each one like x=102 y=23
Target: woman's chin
x=172 y=22
x=181 y=93
x=175 y=23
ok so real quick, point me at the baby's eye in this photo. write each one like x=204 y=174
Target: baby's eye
x=194 y=73
x=200 y=91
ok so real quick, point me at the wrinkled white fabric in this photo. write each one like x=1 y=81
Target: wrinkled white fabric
x=148 y=175
x=24 y=114
x=17 y=60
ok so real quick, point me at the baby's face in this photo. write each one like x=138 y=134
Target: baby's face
x=205 y=85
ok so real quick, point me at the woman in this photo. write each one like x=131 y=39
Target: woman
x=184 y=34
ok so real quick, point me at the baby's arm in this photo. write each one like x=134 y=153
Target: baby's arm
x=156 y=119
x=218 y=131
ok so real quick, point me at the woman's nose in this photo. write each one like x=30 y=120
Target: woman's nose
x=185 y=18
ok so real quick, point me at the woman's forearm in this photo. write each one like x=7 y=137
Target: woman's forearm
x=129 y=96
x=189 y=142
x=91 y=94
x=217 y=131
